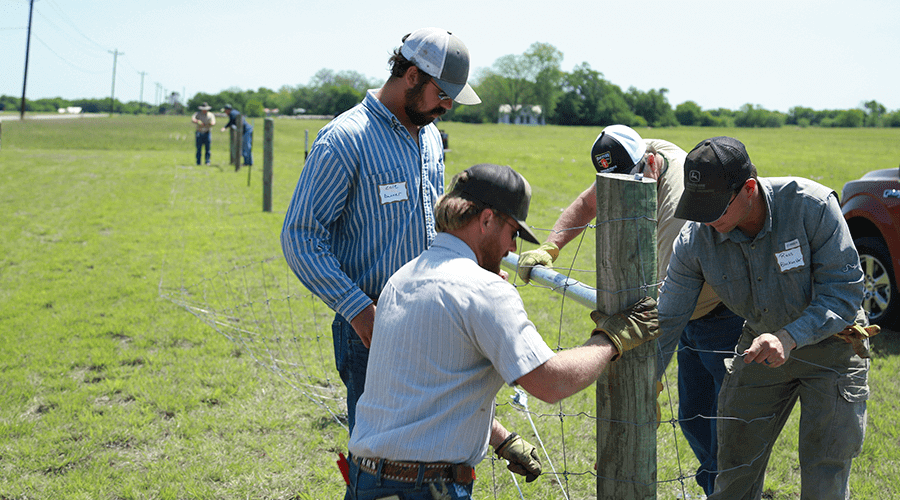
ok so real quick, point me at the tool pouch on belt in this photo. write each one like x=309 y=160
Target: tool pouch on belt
x=463 y=474
x=857 y=335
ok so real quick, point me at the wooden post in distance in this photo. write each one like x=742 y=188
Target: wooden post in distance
x=268 y=155
x=238 y=143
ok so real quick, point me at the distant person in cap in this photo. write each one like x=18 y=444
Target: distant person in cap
x=247 y=135
x=449 y=332
x=364 y=204
x=204 y=120
x=778 y=252
x=713 y=330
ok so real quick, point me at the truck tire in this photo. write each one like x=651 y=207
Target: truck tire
x=881 y=299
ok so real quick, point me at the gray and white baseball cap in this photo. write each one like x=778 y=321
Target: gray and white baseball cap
x=445 y=57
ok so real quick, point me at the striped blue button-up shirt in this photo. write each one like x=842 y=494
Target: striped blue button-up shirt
x=363 y=206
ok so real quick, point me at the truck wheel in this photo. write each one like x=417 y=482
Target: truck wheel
x=880 y=299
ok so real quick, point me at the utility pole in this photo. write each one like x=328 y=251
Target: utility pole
x=112 y=95
x=142 y=73
x=27 y=47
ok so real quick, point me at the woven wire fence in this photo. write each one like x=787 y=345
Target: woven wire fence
x=260 y=306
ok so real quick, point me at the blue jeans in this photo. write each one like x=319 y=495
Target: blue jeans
x=246 y=146
x=365 y=486
x=350 y=358
x=203 y=139
x=700 y=375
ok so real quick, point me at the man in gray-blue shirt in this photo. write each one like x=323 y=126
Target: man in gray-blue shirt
x=778 y=253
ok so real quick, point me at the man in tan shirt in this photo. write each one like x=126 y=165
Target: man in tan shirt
x=204 y=121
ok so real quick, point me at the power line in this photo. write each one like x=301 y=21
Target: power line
x=74 y=43
x=63 y=59
x=73 y=25
x=69 y=39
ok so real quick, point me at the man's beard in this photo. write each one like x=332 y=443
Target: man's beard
x=418 y=118
x=491 y=256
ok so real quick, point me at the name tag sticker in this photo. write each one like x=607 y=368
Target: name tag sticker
x=392 y=193
x=790 y=259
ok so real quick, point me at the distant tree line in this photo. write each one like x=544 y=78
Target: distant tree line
x=51 y=105
x=580 y=97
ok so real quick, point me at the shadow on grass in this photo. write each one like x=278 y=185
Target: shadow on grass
x=886 y=343
x=325 y=422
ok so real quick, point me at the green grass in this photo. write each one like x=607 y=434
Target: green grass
x=152 y=344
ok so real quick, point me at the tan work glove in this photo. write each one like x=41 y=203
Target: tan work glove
x=522 y=457
x=629 y=327
x=543 y=255
x=856 y=335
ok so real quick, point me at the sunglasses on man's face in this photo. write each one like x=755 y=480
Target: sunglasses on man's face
x=729 y=204
x=518 y=232
x=441 y=94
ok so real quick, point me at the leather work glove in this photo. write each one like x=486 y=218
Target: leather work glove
x=522 y=457
x=856 y=335
x=629 y=327
x=543 y=255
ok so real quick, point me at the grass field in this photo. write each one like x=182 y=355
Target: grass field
x=152 y=345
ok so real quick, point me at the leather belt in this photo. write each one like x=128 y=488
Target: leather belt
x=408 y=472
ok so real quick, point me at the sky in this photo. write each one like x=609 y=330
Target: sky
x=774 y=54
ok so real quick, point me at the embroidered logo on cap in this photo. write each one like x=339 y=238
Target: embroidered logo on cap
x=604 y=159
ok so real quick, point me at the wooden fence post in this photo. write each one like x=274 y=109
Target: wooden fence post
x=231 y=146
x=268 y=154
x=305 y=144
x=626 y=393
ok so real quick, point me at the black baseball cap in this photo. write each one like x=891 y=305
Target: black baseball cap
x=499 y=187
x=713 y=171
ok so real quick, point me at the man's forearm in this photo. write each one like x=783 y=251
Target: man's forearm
x=498 y=434
x=570 y=371
x=574 y=218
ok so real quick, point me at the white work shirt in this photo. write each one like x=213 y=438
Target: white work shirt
x=447 y=335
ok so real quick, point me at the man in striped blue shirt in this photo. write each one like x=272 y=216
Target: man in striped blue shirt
x=363 y=206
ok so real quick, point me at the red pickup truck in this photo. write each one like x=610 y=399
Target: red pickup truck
x=871 y=207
